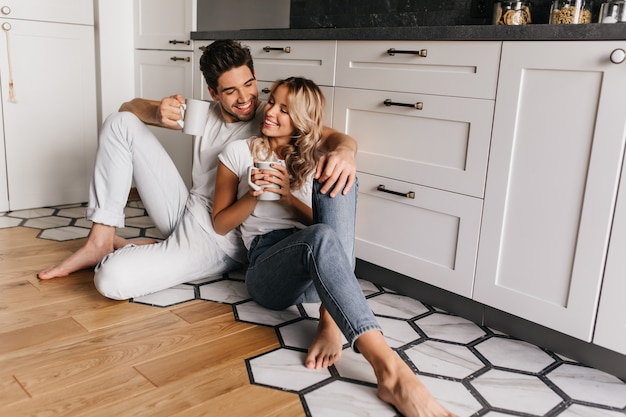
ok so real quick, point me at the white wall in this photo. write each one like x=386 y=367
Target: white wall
x=114 y=54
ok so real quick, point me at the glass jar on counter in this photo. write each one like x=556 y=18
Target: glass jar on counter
x=564 y=12
x=612 y=12
x=511 y=13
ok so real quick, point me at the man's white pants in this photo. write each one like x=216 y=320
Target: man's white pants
x=127 y=151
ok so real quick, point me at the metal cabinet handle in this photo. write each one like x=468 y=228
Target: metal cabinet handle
x=5 y=10
x=286 y=49
x=419 y=105
x=618 y=56
x=422 y=52
x=410 y=194
x=177 y=58
x=175 y=42
x=266 y=90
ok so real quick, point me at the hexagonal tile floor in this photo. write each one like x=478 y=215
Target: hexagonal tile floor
x=471 y=369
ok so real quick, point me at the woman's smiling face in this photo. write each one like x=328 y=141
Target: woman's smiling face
x=277 y=123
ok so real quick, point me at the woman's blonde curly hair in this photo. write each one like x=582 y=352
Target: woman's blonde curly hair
x=305 y=107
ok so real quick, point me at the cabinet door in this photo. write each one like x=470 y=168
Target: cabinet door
x=161 y=74
x=461 y=69
x=610 y=331
x=51 y=128
x=556 y=152
x=62 y=11
x=164 y=24
x=200 y=88
x=444 y=145
x=430 y=235
x=4 y=192
x=275 y=60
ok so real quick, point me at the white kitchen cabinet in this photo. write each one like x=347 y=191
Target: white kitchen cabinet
x=164 y=24
x=161 y=74
x=610 y=330
x=463 y=69
x=50 y=128
x=4 y=191
x=164 y=65
x=423 y=131
x=275 y=60
x=556 y=154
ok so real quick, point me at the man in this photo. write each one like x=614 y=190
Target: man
x=128 y=151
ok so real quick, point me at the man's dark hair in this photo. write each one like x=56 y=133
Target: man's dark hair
x=221 y=56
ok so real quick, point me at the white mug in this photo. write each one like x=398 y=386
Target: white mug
x=269 y=196
x=194 y=115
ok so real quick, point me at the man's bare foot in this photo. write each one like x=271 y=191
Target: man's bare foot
x=85 y=257
x=99 y=243
x=327 y=345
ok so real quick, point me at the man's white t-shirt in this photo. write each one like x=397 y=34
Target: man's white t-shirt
x=217 y=134
x=267 y=215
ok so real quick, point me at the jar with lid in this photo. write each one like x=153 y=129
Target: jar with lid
x=511 y=12
x=613 y=11
x=565 y=12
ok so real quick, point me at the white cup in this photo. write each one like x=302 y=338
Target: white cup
x=194 y=115
x=269 y=196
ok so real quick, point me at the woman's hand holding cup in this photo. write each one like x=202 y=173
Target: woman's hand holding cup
x=268 y=180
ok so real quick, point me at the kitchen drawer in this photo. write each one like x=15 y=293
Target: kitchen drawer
x=432 y=237
x=264 y=90
x=444 y=145
x=310 y=59
x=465 y=69
x=62 y=11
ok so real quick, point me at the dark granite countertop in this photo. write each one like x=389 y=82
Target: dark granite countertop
x=593 y=31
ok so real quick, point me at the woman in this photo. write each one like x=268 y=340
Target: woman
x=294 y=260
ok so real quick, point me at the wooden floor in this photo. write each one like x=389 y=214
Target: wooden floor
x=65 y=350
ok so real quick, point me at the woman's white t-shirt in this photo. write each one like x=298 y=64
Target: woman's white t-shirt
x=267 y=215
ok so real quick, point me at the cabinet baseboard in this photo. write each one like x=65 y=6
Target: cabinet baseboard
x=589 y=354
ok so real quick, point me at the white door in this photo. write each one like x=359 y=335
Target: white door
x=610 y=329
x=161 y=74
x=164 y=24
x=4 y=192
x=50 y=128
x=556 y=153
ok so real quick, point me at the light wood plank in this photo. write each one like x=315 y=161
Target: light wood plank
x=199 y=310
x=248 y=342
x=67 y=350
x=11 y=391
x=40 y=334
x=249 y=400
x=72 y=306
x=71 y=369
x=181 y=395
x=114 y=314
x=85 y=397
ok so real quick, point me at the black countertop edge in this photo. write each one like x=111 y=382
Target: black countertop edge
x=592 y=31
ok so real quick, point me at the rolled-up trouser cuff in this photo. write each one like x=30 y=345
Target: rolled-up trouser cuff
x=109 y=218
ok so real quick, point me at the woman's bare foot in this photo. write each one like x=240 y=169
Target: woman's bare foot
x=99 y=243
x=402 y=389
x=397 y=384
x=327 y=345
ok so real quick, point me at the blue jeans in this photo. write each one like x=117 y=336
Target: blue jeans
x=292 y=266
